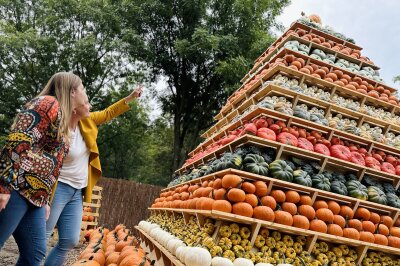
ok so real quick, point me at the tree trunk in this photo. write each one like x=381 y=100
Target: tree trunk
x=177 y=141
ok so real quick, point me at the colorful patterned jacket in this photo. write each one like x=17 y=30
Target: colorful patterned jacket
x=32 y=156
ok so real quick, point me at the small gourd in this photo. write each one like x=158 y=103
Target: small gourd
x=242 y=262
x=220 y=261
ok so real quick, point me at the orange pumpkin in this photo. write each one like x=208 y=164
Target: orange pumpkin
x=325 y=215
x=249 y=187
x=362 y=213
x=305 y=200
x=395 y=231
x=86 y=262
x=261 y=188
x=356 y=224
x=243 y=209
x=368 y=226
x=339 y=220
x=278 y=195
x=387 y=220
x=217 y=183
x=394 y=241
x=231 y=181
x=381 y=239
x=283 y=217
x=251 y=199
x=301 y=221
x=222 y=205
x=334 y=207
x=335 y=230
x=307 y=211
x=375 y=218
x=367 y=237
x=289 y=207
x=351 y=233
x=319 y=204
x=112 y=258
x=318 y=226
x=236 y=195
x=269 y=201
x=292 y=196
x=346 y=212
x=315 y=18
x=264 y=213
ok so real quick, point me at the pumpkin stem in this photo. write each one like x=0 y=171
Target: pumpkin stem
x=302 y=261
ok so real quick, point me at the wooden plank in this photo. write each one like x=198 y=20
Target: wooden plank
x=161 y=249
x=298 y=231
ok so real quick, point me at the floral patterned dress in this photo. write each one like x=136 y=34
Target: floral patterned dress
x=32 y=156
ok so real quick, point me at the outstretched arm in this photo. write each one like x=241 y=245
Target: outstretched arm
x=116 y=109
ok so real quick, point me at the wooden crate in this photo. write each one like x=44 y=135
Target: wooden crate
x=95 y=211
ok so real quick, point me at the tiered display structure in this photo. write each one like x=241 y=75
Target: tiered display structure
x=310 y=79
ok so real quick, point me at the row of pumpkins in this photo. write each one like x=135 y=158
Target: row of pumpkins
x=193 y=256
x=117 y=247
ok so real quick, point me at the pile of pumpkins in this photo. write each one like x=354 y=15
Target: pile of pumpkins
x=117 y=247
x=232 y=194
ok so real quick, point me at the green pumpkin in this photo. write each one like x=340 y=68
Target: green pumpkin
x=298 y=162
x=279 y=169
x=339 y=187
x=393 y=200
x=376 y=195
x=357 y=190
x=302 y=178
x=371 y=181
x=300 y=112
x=229 y=160
x=336 y=176
x=255 y=164
x=350 y=177
x=320 y=181
x=308 y=168
x=389 y=188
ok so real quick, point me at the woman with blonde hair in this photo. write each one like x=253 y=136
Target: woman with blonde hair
x=30 y=164
x=80 y=171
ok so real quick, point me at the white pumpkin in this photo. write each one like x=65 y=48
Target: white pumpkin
x=197 y=257
x=242 y=262
x=264 y=264
x=173 y=244
x=142 y=224
x=180 y=253
x=220 y=261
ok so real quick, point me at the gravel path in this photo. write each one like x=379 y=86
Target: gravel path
x=9 y=253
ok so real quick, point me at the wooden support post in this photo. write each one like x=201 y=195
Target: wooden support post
x=157 y=251
x=361 y=252
x=201 y=219
x=166 y=260
x=323 y=165
x=361 y=174
x=279 y=152
x=255 y=228
x=360 y=121
x=396 y=184
x=333 y=92
x=295 y=101
x=217 y=226
x=310 y=243
x=313 y=196
x=328 y=111
x=270 y=185
x=330 y=135
x=387 y=129
x=355 y=207
x=395 y=215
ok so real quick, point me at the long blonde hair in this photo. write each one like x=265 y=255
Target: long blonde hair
x=60 y=86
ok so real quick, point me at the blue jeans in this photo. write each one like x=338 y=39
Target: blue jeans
x=27 y=223
x=66 y=212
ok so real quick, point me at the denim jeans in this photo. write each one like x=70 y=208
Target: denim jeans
x=27 y=223
x=66 y=212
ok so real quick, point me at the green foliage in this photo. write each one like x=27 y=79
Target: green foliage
x=204 y=48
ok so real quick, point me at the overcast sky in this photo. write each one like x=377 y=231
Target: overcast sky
x=374 y=25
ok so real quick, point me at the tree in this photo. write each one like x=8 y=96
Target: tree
x=41 y=37
x=203 y=48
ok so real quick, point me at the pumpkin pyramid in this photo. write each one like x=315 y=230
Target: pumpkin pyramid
x=301 y=167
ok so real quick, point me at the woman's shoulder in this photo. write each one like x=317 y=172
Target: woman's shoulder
x=44 y=105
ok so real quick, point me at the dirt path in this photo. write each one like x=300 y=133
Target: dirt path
x=9 y=253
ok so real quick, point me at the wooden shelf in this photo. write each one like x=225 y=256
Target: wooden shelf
x=161 y=252
x=273 y=183
x=299 y=25
x=339 y=90
x=218 y=215
x=298 y=152
x=89 y=223
x=221 y=129
x=311 y=45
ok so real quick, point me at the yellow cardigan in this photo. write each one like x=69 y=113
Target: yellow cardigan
x=89 y=131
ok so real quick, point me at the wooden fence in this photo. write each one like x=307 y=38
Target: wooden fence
x=125 y=201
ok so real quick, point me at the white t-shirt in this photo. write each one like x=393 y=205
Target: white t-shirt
x=74 y=170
